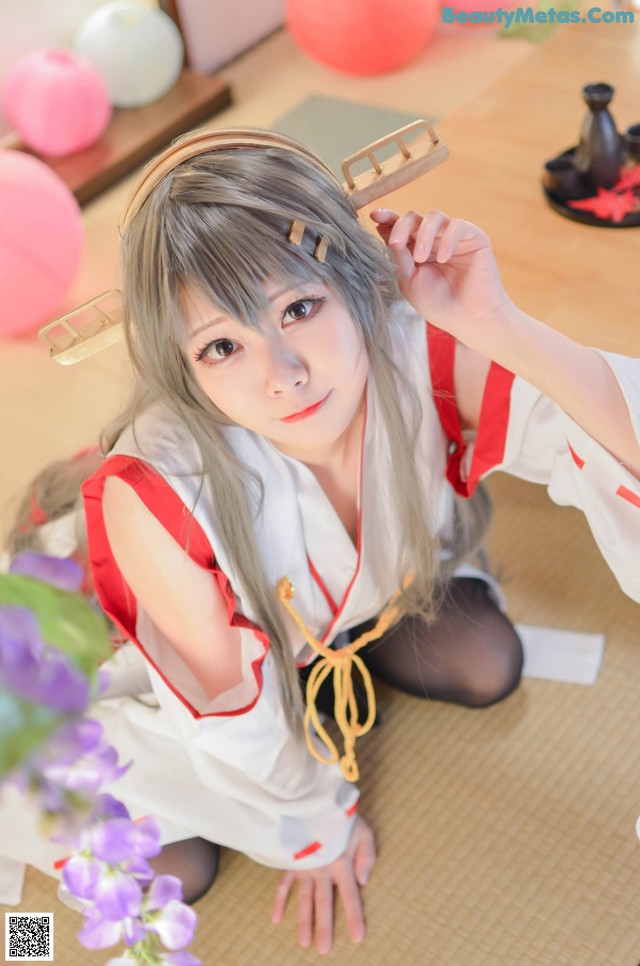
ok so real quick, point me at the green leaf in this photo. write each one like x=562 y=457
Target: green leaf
x=23 y=728
x=67 y=620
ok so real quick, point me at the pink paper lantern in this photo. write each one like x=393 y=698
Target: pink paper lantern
x=41 y=242
x=362 y=36
x=56 y=101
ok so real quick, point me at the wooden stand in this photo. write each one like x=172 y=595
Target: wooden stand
x=135 y=134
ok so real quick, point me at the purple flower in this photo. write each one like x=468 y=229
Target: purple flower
x=61 y=572
x=97 y=932
x=19 y=637
x=106 y=806
x=140 y=868
x=92 y=771
x=66 y=763
x=80 y=874
x=104 y=681
x=71 y=741
x=175 y=924
x=147 y=837
x=87 y=773
x=165 y=959
x=163 y=889
x=113 y=840
x=117 y=896
x=36 y=672
x=119 y=839
x=133 y=931
x=179 y=959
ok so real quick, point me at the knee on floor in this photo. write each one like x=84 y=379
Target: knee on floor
x=496 y=671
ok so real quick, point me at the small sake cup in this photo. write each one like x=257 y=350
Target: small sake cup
x=631 y=142
x=562 y=178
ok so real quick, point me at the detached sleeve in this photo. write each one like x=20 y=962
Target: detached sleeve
x=525 y=434
x=229 y=770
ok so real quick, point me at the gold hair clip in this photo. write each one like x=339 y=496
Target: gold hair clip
x=296 y=234
x=321 y=249
x=419 y=149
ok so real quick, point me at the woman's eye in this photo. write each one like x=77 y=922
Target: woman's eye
x=302 y=309
x=222 y=348
x=217 y=351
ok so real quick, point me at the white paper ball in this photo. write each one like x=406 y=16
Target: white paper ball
x=138 y=51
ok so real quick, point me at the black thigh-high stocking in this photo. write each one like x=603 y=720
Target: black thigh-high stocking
x=470 y=654
x=194 y=861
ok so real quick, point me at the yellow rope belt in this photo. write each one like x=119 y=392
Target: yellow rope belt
x=341 y=663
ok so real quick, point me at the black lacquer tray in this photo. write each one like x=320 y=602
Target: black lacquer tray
x=560 y=204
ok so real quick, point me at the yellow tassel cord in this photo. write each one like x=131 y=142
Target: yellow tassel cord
x=341 y=663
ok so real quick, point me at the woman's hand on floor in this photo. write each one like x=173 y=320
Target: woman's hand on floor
x=316 y=891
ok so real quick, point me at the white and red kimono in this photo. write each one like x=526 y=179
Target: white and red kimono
x=230 y=770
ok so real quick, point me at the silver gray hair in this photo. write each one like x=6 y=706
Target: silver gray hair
x=219 y=223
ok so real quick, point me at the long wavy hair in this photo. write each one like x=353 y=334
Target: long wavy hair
x=219 y=223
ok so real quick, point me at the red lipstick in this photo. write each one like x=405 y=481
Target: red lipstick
x=305 y=413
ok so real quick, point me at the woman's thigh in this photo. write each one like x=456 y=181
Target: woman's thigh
x=469 y=654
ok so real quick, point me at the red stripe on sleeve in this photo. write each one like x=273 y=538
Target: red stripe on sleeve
x=628 y=495
x=310 y=849
x=353 y=808
x=115 y=595
x=576 y=459
x=442 y=348
x=491 y=435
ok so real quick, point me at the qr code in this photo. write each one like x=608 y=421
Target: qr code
x=28 y=937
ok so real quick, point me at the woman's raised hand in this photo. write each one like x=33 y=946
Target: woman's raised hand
x=316 y=891
x=446 y=270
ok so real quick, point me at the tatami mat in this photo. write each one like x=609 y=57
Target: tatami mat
x=505 y=835
x=336 y=128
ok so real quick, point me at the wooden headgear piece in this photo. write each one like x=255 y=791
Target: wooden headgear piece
x=97 y=323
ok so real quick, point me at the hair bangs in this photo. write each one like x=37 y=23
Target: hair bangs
x=228 y=253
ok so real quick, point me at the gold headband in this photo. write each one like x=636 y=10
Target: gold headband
x=69 y=343
x=205 y=142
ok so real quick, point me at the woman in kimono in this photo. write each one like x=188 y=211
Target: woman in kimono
x=292 y=491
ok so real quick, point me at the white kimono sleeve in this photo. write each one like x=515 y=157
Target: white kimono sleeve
x=242 y=781
x=527 y=435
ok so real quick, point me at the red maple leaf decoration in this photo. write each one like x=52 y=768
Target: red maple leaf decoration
x=607 y=205
x=629 y=178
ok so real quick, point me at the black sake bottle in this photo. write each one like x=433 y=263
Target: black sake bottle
x=599 y=154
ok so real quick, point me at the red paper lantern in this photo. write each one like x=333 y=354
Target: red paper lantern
x=41 y=242
x=362 y=36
